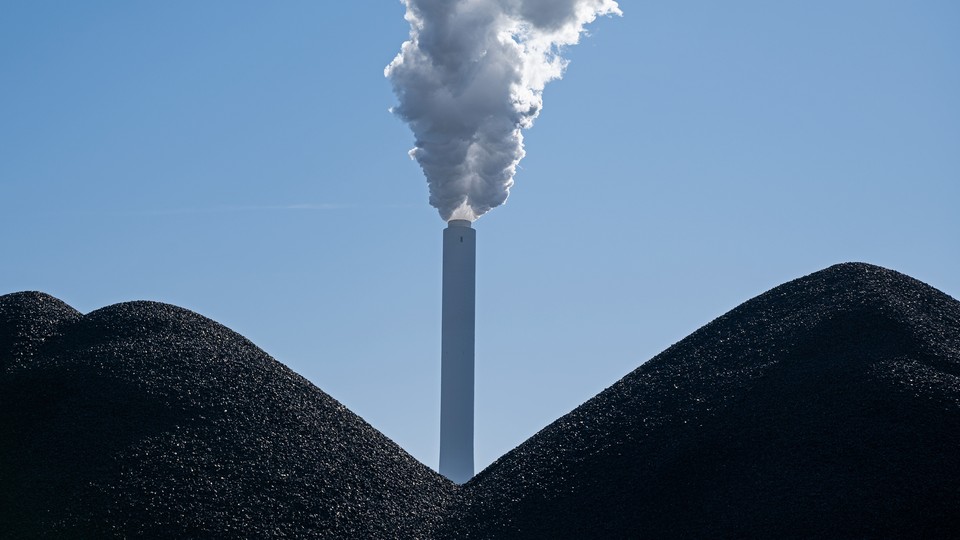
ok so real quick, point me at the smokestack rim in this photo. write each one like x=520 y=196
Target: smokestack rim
x=460 y=223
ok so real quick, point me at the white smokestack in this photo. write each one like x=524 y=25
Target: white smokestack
x=470 y=78
x=456 y=351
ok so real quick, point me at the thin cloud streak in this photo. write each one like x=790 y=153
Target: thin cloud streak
x=268 y=208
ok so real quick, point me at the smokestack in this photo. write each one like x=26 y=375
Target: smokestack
x=456 y=351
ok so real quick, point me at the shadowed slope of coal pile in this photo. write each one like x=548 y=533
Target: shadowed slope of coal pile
x=143 y=419
x=827 y=407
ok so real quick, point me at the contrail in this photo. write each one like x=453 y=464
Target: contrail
x=470 y=78
x=267 y=208
x=245 y=208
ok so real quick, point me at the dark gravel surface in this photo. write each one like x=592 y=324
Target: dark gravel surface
x=826 y=407
x=147 y=420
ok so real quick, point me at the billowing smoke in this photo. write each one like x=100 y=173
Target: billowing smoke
x=470 y=79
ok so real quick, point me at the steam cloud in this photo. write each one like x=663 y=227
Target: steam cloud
x=470 y=78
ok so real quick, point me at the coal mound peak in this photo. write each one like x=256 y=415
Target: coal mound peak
x=826 y=407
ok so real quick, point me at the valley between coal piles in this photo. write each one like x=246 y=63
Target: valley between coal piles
x=827 y=407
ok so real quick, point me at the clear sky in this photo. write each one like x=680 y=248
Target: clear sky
x=237 y=158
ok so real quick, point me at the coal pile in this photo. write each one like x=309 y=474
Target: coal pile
x=147 y=420
x=826 y=407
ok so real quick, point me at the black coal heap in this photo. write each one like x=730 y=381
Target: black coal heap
x=144 y=419
x=826 y=407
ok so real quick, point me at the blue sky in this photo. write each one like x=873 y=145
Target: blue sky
x=237 y=159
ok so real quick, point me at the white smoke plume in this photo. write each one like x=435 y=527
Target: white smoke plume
x=470 y=78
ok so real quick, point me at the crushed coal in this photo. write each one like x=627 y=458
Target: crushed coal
x=826 y=407
x=147 y=420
